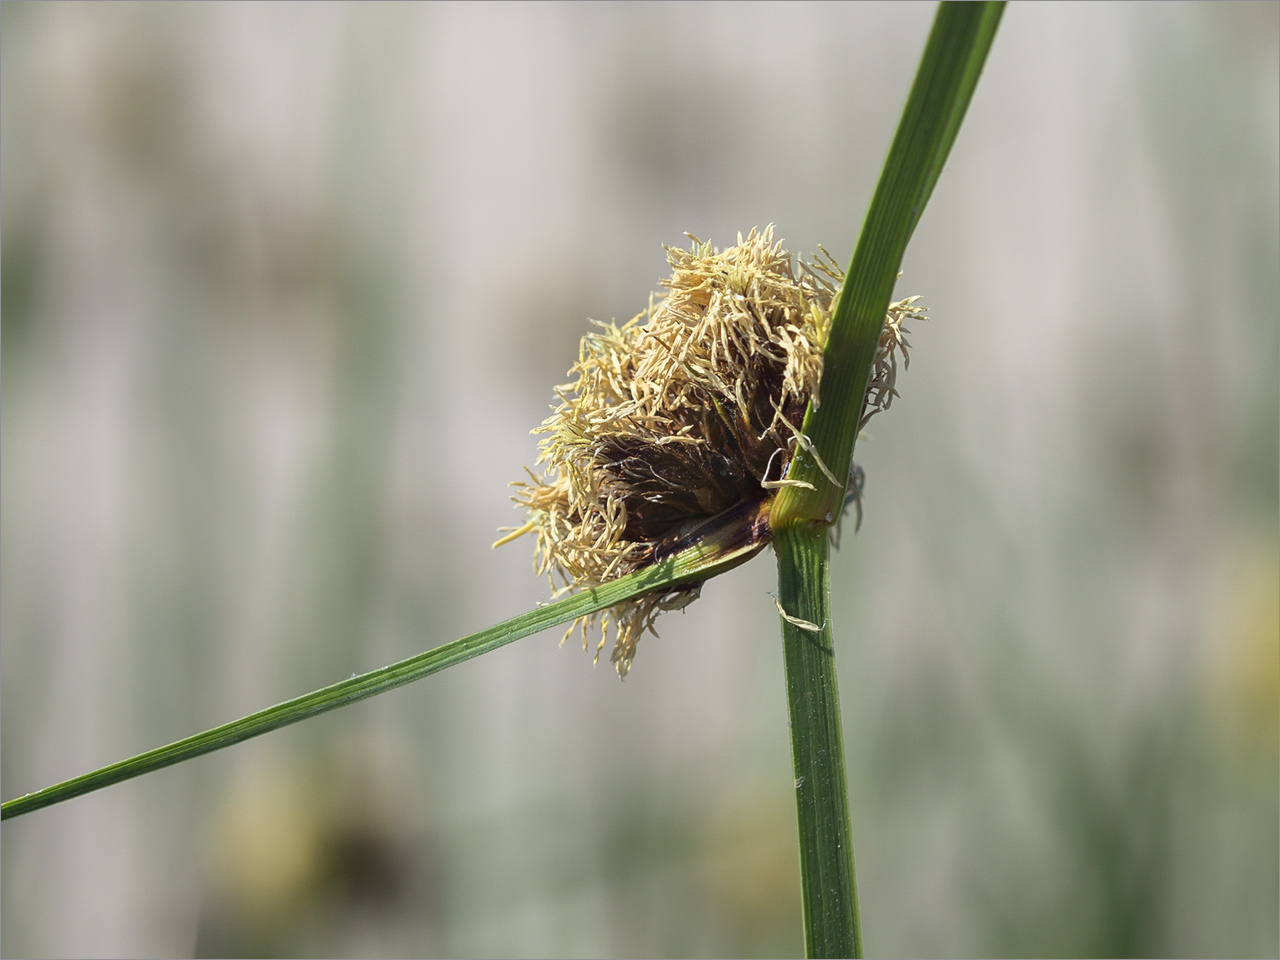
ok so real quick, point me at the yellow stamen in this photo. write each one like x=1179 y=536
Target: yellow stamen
x=515 y=534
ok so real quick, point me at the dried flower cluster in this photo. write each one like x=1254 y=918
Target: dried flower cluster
x=683 y=419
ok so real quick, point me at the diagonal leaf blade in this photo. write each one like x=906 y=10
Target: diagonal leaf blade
x=700 y=562
x=949 y=71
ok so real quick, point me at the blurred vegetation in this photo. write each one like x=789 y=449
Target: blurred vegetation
x=283 y=288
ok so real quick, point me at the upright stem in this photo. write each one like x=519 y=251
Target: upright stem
x=829 y=890
x=945 y=80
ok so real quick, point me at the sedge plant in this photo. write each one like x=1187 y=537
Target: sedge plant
x=720 y=420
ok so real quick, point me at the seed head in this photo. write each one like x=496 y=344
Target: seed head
x=683 y=420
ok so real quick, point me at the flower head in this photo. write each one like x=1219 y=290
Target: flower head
x=682 y=420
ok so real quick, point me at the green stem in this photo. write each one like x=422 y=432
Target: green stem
x=945 y=80
x=828 y=887
x=706 y=560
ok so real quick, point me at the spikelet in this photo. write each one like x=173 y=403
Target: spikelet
x=685 y=414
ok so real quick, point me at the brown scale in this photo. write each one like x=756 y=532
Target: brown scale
x=671 y=489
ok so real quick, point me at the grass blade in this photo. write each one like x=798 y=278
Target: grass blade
x=949 y=70
x=697 y=563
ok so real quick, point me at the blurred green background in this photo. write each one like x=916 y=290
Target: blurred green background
x=286 y=286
